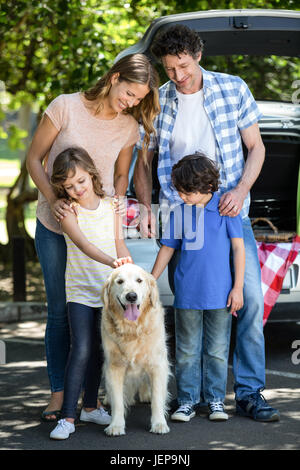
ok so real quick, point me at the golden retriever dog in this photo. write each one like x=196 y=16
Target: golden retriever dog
x=134 y=343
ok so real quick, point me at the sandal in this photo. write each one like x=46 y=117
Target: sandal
x=44 y=415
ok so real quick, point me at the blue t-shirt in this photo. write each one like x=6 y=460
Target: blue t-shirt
x=202 y=277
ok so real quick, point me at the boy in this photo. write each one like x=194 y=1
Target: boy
x=205 y=293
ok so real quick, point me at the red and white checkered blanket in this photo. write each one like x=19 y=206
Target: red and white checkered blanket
x=275 y=260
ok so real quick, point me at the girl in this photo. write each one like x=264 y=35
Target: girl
x=94 y=245
x=103 y=120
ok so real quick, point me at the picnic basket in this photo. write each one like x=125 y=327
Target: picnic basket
x=269 y=233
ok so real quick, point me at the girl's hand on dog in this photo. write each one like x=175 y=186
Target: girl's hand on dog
x=119 y=261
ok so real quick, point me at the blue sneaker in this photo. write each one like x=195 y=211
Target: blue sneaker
x=216 y=411
x=255 y=406
x=183 y=413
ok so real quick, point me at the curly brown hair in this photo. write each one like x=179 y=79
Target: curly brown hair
x=195 y=173
x=177 y=39
x=66 y=162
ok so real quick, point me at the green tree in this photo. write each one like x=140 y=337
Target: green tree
x=51 y=47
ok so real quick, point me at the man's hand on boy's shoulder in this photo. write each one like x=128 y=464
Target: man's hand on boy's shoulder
x=231 y=203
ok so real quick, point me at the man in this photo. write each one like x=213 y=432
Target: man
x=212 y=113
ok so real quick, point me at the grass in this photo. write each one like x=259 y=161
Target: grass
x=6 y=152
x=30 y=220
x=35 y=291
x=10 y=165
x=30 y=210
x=9 y=170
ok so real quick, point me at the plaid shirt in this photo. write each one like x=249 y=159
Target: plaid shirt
x=230 y=107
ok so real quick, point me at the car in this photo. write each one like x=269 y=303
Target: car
x=144 y=250
x=274 y=194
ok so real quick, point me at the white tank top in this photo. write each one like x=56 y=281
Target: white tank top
x=84 y=276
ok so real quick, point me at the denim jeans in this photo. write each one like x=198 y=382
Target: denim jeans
x=52 y=253
x=85 y=359
x=249 y=352
x=206 y=331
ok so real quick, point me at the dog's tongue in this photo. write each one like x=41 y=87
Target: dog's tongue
x=131 y=312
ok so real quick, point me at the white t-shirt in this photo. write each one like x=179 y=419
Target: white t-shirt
x=192 y=130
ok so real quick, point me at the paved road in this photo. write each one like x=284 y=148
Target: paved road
x=24 y=393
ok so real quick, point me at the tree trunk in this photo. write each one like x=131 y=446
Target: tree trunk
x=19 y=195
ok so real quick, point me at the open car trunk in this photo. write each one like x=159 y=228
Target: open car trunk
x=274 y=193
x=255 y=33
x=228 y=32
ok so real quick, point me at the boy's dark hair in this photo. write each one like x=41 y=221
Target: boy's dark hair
x=195 y=173
x=177 y=40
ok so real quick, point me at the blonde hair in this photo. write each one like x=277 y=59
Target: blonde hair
x=134 y=68
x=66 y=162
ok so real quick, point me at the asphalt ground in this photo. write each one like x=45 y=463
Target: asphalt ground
x=25 y=392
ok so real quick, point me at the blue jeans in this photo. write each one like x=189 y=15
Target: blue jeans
x=52 y=253
x=203 y=333
x=85 y=359
x=249 y=352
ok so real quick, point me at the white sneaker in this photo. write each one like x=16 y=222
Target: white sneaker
x=63 y=430
x=216 y=411
x=99 y=416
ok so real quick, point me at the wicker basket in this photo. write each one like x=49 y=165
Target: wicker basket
x=263 y=235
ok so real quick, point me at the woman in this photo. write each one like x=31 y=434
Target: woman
x=104 y=121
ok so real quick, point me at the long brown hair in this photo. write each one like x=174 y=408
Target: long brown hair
x=66 y=162
x=134 y=68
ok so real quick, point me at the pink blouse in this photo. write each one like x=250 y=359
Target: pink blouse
x=102 y=139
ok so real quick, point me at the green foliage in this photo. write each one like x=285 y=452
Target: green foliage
x=49 y=46
x=16 y=135
x=62 y=46
x=59 y=46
